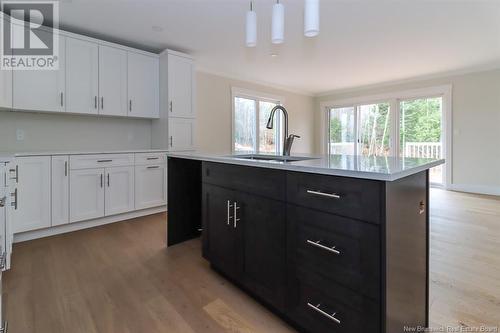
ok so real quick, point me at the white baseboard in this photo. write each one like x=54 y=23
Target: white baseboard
x=29 y=235
x=478 y=189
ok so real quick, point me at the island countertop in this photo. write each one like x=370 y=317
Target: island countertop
x=388 y=168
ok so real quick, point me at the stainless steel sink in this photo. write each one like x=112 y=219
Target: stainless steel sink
x=259 y=157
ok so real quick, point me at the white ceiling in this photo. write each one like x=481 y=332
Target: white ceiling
x=361 y=42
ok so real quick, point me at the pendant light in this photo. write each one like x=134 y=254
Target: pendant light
x=311 y=18
x=251 y=27
x=278 y=23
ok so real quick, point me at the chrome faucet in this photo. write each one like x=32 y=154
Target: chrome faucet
x=288 y=139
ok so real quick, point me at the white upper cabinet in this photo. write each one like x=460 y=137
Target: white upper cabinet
x=60 y=190
x=82 y=76
x=180 y=86
x=41 y=90
x=143 y=86
x=32 y=194
x=112 y=81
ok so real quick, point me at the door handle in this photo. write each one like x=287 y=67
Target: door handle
x=62 y=97
x=16 y=170
x=102 y=103
x=229 y=206
x=66 y=168
x=108 y=179
x=130 y=105
x=95 y=102
x=235 y=216
x=171 y=107
x=171 y=141
x=101 y=179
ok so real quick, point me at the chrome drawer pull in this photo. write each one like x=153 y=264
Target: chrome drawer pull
x=321 y=246
x=229 y=206
x=152 y=158
x=104 y=161
x=329 y=316
x=235 y=216
x=322 y=194
x=153 y=167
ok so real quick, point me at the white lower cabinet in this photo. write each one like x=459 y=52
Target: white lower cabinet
x=32 y=193
x=181 y=134
x=86 y=195
x=119 y=190
x=60 y=190
x=150 y=186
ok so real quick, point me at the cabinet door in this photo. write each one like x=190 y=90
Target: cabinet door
x=150 y=186
x=112 y=81
x=263 y=222
x=119 y=196
x=86 y=194
x=41 y=90
x=60 y=190
x=81 y=76
x=180 y=86
x=5 y=83
x=181 y=134
x=33 y=194
x=143 y=86
x=223 y=237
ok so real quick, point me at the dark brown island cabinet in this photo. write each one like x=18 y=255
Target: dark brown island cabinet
x=325 y=253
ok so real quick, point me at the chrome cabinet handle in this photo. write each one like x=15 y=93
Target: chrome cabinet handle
x=108 y=179
x=101 y=179
x=3 y=260
x=2 y=202
x=95 y=102
x=152 y=158
x=318 y=309
x=14 y=204
x=171 y=108
x=102 y=103
x=323 y=247
x=236 y=219
x=62 y=97
x=229 y=206
x=16 y=170
x=103 y=161
x=171 y=141
x=153 y=167
x=130 y=105
x=323 y=194
x=65 y=168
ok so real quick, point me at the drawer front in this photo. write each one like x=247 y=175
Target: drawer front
x=100 y=161
x=150 y=158
x=261 y=181
x=355 y=198
x=319 y=306
x=341 y=249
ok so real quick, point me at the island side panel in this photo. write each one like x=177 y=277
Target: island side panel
x=406 y=253
x=184 y=200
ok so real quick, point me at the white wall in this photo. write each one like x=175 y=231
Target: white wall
x=476 y=125
x=71 y=132
x=213 y=132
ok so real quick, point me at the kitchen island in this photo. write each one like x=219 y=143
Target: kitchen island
x=329 y=243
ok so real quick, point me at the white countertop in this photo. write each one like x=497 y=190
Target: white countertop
x=376 y=168
x=77 y=152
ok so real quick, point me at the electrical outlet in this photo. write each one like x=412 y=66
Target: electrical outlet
x=19 y=135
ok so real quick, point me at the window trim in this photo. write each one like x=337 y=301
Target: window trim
x=256 y=96
x=393 y=98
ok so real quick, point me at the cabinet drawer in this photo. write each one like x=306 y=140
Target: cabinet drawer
x=100 y=161
x=343 y=250
x=261 y=181
x=355 y=198
x=150 y=158
x=319 y=306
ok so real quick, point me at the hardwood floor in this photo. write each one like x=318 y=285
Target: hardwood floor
x=121 y=278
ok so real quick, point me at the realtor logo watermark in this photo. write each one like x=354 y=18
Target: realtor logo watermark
x=29 y=38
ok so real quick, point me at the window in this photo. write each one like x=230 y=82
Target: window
x=360 y=130
x=412 y=124
x=251 y=112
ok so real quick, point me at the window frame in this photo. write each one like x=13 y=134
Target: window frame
x=257 y=97
x=394 y=98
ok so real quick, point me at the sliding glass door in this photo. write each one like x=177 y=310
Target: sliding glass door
x=360 y=130
x=406 y=127
x=420 y=131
